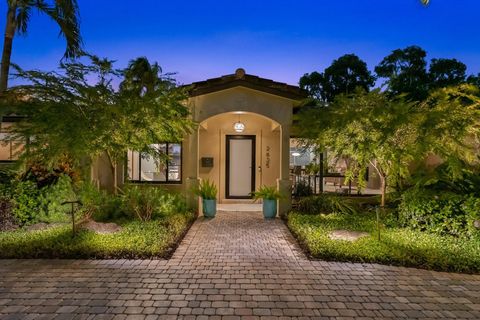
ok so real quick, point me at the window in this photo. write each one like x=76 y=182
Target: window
x=299 y=155
x=143 y=168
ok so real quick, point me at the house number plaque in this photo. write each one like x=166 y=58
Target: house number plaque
x=267 y=158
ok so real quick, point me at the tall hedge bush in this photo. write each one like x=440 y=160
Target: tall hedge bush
x=439 y=212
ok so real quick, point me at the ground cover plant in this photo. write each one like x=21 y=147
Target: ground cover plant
x=137 y=239
x=398 y=245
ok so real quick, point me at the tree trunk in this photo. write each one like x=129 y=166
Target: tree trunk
x=115 y=179
x=383 y=180
x=7 y=47
x=113 y=168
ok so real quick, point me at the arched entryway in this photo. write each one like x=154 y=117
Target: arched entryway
x=266 y=108
x=239 y=151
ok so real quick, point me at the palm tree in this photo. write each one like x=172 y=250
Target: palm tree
x=64 y=12
x=142 y=77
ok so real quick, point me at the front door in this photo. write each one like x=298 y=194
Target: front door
x=240 y=166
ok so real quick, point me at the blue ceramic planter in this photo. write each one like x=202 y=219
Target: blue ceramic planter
x=209 y=208
x=269 y=208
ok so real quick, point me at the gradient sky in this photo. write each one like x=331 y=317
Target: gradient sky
x=280 y=40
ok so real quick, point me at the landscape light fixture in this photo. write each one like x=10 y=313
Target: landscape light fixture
x=239 y=126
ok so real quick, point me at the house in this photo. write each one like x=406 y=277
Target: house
x=243 y=141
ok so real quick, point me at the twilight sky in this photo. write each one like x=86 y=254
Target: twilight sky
x=280 y=40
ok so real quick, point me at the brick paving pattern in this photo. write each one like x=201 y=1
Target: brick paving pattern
x=236 y=266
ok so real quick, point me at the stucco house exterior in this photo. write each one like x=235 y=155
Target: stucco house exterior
x=241 y=143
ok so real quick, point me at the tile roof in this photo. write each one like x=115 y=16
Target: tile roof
x=240 y=78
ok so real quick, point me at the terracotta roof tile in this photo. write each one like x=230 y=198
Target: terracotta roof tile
x=240 y=78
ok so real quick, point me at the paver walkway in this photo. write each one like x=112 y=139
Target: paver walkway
x=236 y=265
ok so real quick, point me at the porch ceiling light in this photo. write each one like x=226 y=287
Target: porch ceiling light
x=296 y=154
x=239 y=126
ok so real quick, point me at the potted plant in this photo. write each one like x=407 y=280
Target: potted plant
x=269 y=195
x=208 y=192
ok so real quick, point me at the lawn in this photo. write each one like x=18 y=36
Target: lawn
x=398 y=246
x=137 y=239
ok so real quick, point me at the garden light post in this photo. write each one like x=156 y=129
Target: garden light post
x=72 y=212
x=377 y=210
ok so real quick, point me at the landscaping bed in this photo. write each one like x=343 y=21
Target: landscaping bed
x=136 y=222
x=137 y=239
x=397 y=246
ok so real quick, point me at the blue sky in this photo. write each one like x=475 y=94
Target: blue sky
x=280 y=40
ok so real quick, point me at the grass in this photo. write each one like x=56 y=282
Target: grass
x=152 y=239
x=398 y=246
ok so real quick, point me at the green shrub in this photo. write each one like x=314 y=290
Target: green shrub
x=7 y=179
x=438 y=212
x=51 y=199
x=207 y=190
x=27 y=202
x=465 y=182
x=302 y=189
x=91 y=197
x=326 y=203
x=172 y=203
x=112 y=207
x=142 y=202
x=267 y=193
x=33 y=204
x=471 y=207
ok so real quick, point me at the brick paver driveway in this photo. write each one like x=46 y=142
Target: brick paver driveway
x=237 y=265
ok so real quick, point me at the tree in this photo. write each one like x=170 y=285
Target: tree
x=390 y=133
x=343 y=76
x=451 y=126
x=368 y=129
x=313 y=84
x=141 y=77
x=474 y=80
x=67 y=115
x=346 y=74
x=446 y=72
x=405 y=73
x=64 y=12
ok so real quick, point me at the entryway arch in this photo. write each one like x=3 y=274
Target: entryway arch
x=239 y=161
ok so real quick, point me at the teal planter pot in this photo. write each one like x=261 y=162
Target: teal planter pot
x=269 y=208
x=209 y=208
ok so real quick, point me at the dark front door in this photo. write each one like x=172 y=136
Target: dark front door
x=240 y=166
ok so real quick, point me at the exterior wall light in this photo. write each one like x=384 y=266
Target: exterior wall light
x=239 y=127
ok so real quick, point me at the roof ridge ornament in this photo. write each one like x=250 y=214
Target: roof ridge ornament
x=240 y=73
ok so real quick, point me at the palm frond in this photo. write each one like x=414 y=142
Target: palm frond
x=66 y=14
x=22 y=19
